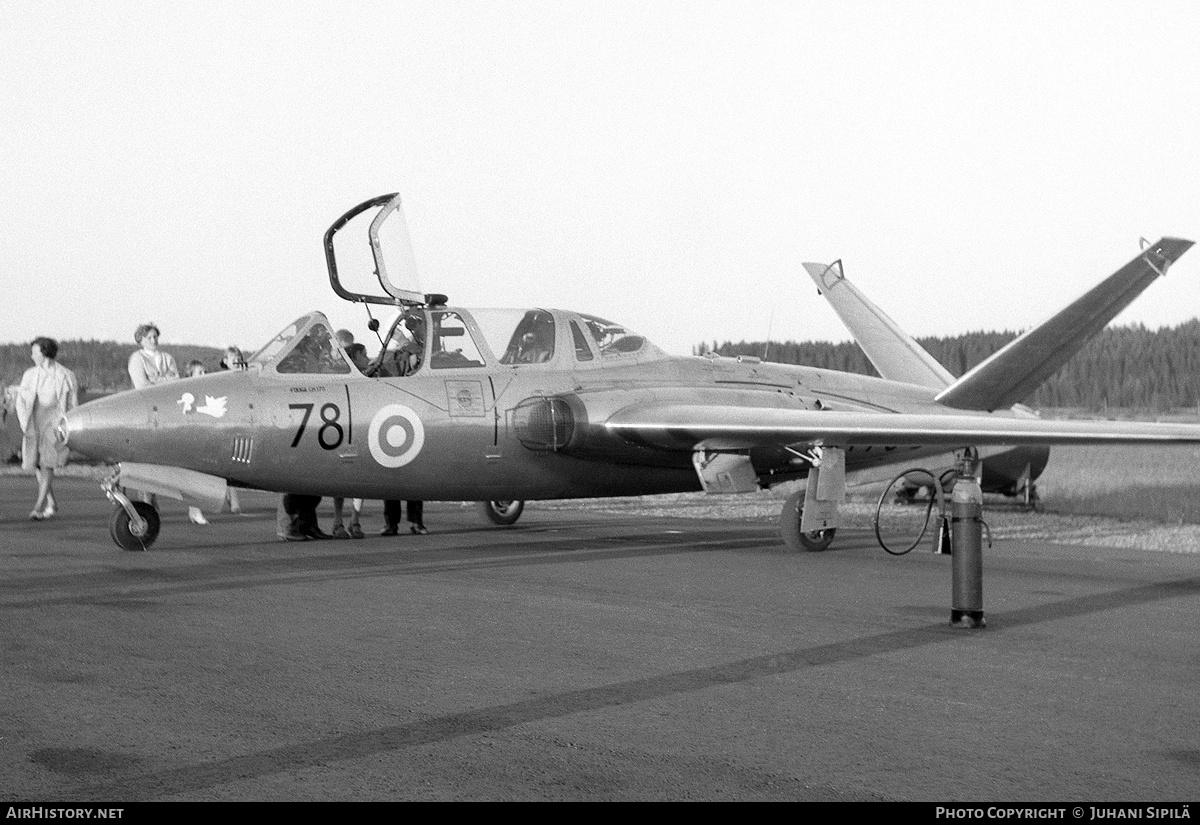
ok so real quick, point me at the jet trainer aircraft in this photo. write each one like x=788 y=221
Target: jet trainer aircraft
x=508 y=405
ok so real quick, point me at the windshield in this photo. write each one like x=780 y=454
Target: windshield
x=307 y=346
x=277 y=344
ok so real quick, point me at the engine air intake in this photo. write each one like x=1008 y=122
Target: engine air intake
x=543 y=424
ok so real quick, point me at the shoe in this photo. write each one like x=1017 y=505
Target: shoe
x=418 y=529
x=49 y=511
x=356 y=532
x=196 y=517
x=339 y=532
x=36 y=515
x=292 y=535
x=316 y=533
x=390 y=530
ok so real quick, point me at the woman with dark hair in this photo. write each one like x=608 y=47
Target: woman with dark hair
x=48 y=391
x=150 y=365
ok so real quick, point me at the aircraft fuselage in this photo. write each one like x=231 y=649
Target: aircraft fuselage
x=476 y=433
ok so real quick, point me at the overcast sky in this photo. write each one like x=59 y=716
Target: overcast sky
x=667 y=165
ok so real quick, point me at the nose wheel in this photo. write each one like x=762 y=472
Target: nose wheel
x=134 y=534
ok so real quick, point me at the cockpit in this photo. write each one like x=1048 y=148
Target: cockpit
x=442 y=338
x=306 y=345
x=427 y=335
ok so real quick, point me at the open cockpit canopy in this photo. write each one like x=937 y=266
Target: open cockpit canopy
x=453 y=338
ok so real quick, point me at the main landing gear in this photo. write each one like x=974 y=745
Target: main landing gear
x=503 y=513
x=959 y=534
x=789 y=526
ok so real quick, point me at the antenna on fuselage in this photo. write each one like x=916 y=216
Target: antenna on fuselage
x=770 y=324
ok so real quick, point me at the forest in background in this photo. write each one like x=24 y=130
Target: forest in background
x=99 y=366
x=1129 y=367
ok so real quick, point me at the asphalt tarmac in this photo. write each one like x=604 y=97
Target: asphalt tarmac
x=579 y=656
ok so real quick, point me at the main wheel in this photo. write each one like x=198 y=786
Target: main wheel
x=789 y=526
x=122 y=531
x=501 y=512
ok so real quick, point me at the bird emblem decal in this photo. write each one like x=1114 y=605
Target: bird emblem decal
x=214 y=407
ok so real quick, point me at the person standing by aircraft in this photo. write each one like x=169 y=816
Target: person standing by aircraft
x=408 y=361
x=340 y=530
x=392 y=510
x=48 y=391
x=296 y=518
x=194 y=370
x=150 y=365
x=233 y=360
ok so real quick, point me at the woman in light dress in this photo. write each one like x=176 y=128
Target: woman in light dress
x=150 y=365
x=48 y=391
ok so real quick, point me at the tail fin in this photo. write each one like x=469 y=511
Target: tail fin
x=890 y=349
x=1015 y=371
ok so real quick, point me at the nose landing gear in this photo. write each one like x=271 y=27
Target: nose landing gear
x=135 y=524
x=134 y=533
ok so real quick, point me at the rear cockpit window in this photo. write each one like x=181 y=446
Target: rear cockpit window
x=516 y=336
x=613 y=340
x=533 y=340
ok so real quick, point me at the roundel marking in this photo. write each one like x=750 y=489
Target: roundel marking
x=396 y=435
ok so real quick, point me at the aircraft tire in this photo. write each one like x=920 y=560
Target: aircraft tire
x=124 y=537
x=504 y=513
x=789 y=528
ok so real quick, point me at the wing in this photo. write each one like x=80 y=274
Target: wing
x=1015 y=371
x=689 y=426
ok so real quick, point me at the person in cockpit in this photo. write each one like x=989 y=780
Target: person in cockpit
x=409 y=355
x=530 y=350
x=358 y=355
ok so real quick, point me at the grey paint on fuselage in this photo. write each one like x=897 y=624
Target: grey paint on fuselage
x=470 y=449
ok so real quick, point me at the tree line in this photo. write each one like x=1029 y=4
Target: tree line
x=1130 y=367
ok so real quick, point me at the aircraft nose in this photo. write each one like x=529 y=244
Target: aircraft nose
x=100 y=429
x=63 y=432
x=73 y=428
